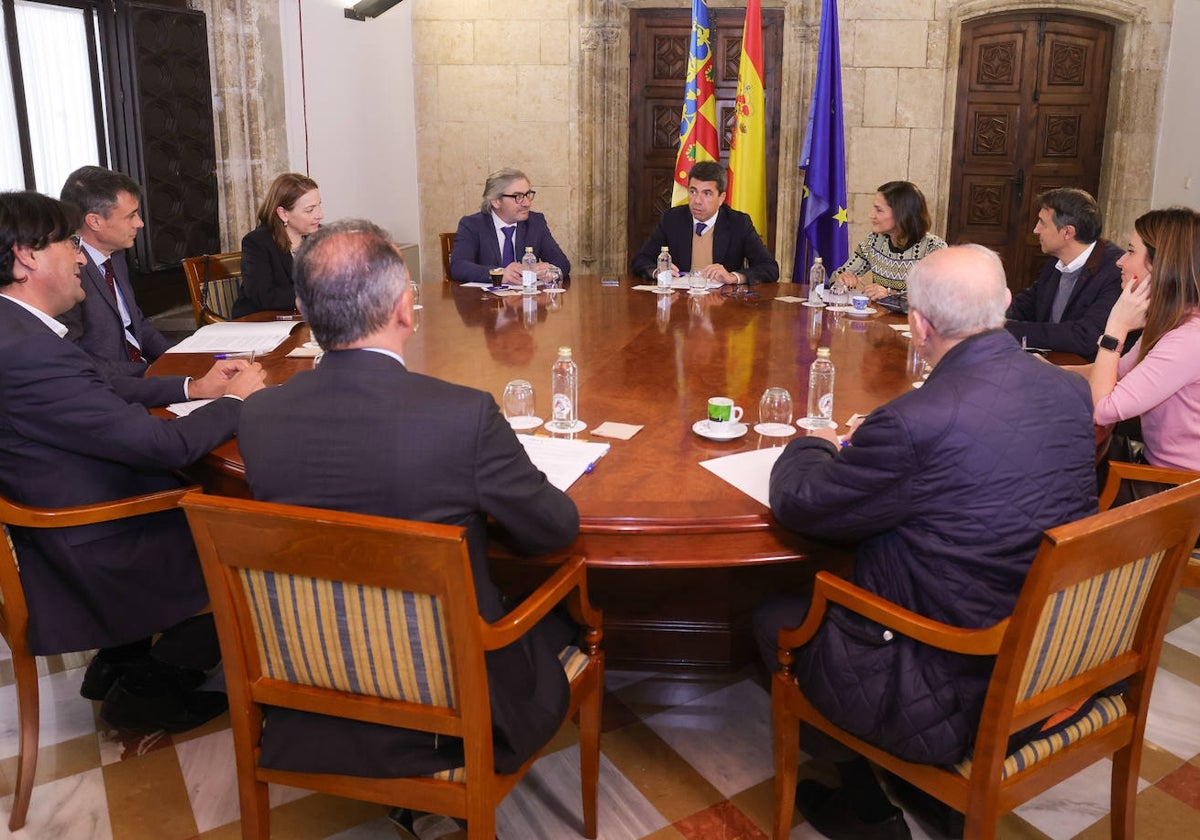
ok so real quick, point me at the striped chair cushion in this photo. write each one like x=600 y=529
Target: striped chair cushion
x=1105 y=710
x=218 y=296
x=573 y=661
x=348 y=637
x=1086 y=624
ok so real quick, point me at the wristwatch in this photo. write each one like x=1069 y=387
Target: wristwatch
x=1108 y=342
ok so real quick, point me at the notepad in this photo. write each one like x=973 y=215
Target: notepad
x=563 y=461
x=236 y=337
x=749 y=472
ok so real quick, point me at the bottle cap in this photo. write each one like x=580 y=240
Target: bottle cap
x=564 y=351
x=528 y=249
x=822 y=352
x=664 y=249
x=817 y=259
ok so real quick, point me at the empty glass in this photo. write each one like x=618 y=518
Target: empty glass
x=518 y=404
x=554 y=278
x=775 y=407
x=697 y=283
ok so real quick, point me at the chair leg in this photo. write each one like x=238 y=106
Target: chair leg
x=25 y=674
x=253 y=796
x=589 y=755
x=787 y=759
x=481 y=819
x=1124 y=790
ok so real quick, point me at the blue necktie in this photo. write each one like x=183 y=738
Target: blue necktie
x=700 y=228
x=508 y=256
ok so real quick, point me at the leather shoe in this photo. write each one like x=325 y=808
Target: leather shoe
x=830 y=812
x=101 y=676
x=947 y=822
x=135 y=707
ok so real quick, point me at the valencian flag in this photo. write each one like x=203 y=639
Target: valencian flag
x=748 y=148
x=822 y=229
x=698 y=128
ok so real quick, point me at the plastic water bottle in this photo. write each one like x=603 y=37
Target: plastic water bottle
x=663 y=274
x=529 y=272
x=816 y=279
x=820 y=392
x=564 y=385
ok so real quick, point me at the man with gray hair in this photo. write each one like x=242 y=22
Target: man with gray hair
x=497 y=236
x=363 y=433
x=947 y=490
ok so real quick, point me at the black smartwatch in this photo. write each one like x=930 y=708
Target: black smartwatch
x=1108 y=342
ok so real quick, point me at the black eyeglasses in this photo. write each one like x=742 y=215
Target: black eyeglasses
x=520 y=197
x=76 y=241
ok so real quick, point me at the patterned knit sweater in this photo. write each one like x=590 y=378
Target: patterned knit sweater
x=889 y=265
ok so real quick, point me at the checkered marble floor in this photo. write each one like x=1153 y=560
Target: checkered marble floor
x=683 y=759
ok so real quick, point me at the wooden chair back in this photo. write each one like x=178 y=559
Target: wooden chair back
x=1121 y=470
x=1092 y=612
x=372 y=619
x=14 y=614
x=214 y=283
x=447 y=240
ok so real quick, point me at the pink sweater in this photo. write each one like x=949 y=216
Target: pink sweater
x=1164 y=388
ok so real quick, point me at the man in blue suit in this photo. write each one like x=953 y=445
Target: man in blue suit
x=497 y=236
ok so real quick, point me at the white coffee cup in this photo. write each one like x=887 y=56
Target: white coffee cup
x=722 y=410
x=859 y=302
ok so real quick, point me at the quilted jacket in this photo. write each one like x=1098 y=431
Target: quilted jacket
x=947 y=490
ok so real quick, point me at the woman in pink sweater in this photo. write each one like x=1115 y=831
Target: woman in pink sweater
x=1159 y=378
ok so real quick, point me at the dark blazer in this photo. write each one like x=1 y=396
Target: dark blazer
x=1095 y=292
x=947 y=491
x=95 y=325
x=477 y=250
x=736 y=245
x=266 y=275
x=67 y=438
x=361 y=433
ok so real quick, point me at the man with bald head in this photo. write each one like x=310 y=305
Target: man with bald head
x=946 y=490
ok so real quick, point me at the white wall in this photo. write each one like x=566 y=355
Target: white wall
x=351 y=124
x=1177 y=167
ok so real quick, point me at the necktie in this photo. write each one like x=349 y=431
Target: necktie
x=700 y=226
x=508 y=255
x=110 y=277
x=1066 y=285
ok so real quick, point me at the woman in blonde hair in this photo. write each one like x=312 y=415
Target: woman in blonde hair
x=1158 y=380
x=290 y=212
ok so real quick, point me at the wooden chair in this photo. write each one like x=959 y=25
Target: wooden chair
x=418 y=575
x=1118 y=470
x=14 y=614
x=214 y=282
x=447 y=247
x=1120 y=569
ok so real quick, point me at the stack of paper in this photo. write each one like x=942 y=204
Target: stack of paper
x=563 y=461
x=236 y=337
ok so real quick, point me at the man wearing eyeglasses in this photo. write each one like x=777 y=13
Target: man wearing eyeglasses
x=497 y=236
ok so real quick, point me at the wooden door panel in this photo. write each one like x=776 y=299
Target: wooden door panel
x=985 y=207
x=994 y=132
x=997 y=62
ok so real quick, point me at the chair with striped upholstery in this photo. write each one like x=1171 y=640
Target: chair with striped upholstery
x=1123 y=470
x=214 y=283
x=375 y=619
x=1092 y=613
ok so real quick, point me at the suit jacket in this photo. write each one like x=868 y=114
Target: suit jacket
x=947 y=491
x=95 y=325
x=67 y=438
x=736 y=245
x=477 y=250
x=1083 y=320
x=374 y=438
x=266 y=275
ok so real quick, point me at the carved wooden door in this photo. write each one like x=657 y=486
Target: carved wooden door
x=658 y=54
x=1030 y=113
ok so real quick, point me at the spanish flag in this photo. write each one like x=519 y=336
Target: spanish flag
x=698 y=128
x=748 y=146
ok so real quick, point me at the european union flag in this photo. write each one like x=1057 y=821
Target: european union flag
x=822 y=228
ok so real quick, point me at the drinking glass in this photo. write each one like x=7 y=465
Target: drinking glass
x=775 y=407
x=697 y=283
x=554 y=278
x=518 y=401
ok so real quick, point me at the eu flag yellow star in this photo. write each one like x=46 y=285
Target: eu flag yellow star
x=841 y=216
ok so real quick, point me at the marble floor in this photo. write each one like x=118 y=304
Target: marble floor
x=683 y=759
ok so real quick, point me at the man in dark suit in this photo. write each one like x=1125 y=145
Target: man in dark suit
x=68 y=438
x=108 y=323
x=374 y=437
x=497 y=236
x=719 y=242
x=1067 y=306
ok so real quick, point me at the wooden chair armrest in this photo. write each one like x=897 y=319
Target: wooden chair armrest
x=1118 y=470
x=570 y=577
x=985 y=641
x=30 y=517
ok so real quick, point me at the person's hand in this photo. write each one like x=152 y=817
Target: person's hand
x=1129 y=312
x=827 y=433
x=717 y=272
x=512 y=274
x=214 y=383
x=246 y=381
x=874 y=291
x=850 y=280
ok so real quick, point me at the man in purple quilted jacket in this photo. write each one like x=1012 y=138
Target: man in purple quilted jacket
x=946 y=490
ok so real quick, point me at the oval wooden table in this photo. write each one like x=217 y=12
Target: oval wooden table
x=679 y=557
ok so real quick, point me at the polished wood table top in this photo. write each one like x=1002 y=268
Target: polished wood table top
x=643 y=359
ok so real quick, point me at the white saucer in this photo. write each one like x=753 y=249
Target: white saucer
x=775 y=429
x=697 y=292
x=812 y=303
x=719 y=431
x=551 y=291
x=832 y=424
x=527 y=422
x=658 y=290
x=870 y=310
x=578 y=427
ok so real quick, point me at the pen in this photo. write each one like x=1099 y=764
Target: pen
x=249 y=356
x=289 y=317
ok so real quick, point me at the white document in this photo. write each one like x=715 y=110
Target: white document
x=236 y=337
x=749 y=472
x=563 y=461
x=183 y=409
